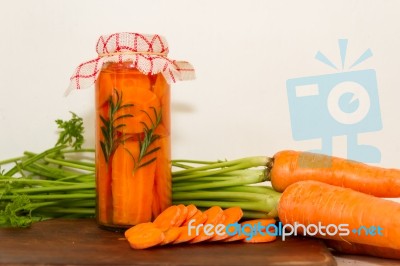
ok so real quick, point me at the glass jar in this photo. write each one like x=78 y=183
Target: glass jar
x=133 y=145
x=132 y=125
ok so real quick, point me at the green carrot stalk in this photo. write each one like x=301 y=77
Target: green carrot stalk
x=226 y=184
x=58 y=182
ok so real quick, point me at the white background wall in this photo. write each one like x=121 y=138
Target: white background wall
x=243 y=51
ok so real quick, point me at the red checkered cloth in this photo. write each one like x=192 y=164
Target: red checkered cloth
x=147 y=52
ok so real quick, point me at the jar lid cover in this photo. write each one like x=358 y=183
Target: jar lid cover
x=147 y=52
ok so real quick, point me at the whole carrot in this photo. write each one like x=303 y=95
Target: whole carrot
x=313 y=203
x=289 y=167
x=315 y=209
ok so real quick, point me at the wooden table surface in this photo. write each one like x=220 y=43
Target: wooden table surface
x=81 y=242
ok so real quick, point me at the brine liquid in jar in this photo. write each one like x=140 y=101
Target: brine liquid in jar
x=133 y=146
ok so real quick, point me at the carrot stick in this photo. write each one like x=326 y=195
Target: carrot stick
x=314 y=203
x=103 y=170
x=141 y=197
x=147 y=238
x=155 y=206
x=135 y=90
x=292 y=166
x=162 y=182
x=103 y=184
x=123 y=183
x=363 y=249
x=162 y=89
x=104 y=87
x=232 y=215
x=131 y=187
x=168 y=218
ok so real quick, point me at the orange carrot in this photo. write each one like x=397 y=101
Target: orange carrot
x=103 y=170
x=162 y=90
x=183 y=215
x=147 y=238
x=199 y=218
x=185 y=235
x=103 y=183
x=142 y=197
x=168 y=218
x=135 y=90
x=260 y=238
x=171 y=235
x=139 y=227
x=122 y=183
x=232 y=215
x=155 y=205
x=104 y=87
x=192 y=210
x=312 y=202
x=292 y=166
x=163 y=179
x=363 y=249
x=215 y=215
x=131 y=187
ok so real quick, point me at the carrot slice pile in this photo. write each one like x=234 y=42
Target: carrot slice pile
x=215 y=215
x=186 y=224
x=168 y=218
x=183 y=214
x=232 y=215
x=185 y=236
x=146 y=238
x=171 y=235
x=198 y=218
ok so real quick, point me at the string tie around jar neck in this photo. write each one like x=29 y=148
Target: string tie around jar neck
x=132 y=53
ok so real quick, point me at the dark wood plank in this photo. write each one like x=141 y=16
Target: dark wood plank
x=81 y=242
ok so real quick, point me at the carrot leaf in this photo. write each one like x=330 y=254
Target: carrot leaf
x=71 y=132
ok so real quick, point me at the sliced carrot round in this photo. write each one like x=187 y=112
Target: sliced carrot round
x=260 y=238
x=138 y=227
x=192 y=209
x=183 y=215
x=214 y=215
x=231 y=215
x=168 y=218
x=198 y=218
x=185 y=235
x=146 y=238
x=171 y=235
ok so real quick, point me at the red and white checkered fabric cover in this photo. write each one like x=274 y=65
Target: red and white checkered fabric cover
x=147 y=52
